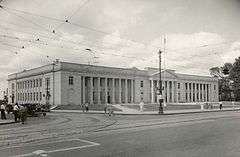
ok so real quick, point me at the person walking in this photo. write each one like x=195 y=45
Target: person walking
x=23 y=114
x=220 y=106
x=83 y=107
x=3 y=114
x=105 y=108
x=16 y=112
x=86 y=106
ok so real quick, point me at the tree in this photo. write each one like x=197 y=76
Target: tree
x=235 y=77
x=222 y=73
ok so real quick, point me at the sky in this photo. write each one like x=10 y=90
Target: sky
x=127 y=33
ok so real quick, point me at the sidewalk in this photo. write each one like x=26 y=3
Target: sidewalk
x=9 y=120
x=135 y=112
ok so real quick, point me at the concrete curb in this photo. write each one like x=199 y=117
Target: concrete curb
x=117 y=113
x=9 y=122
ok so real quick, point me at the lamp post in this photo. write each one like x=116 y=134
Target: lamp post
x=160 y=111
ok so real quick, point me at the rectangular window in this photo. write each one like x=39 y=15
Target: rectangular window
x=37 y=96
x=40 y=82
x=34 y=96
x=47 y=81
x=40 y=96
x=12 y=86
x=178 y=85
x=214 y=87
x=141 y=83
x=36 y=82
x=70 y=80
x=34 y=85
x=186 y=86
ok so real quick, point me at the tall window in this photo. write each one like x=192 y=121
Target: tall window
x=12 y=86
x=141 y=83
x=178 y=85
x=186 y=86
x=47 y=82
x=40 y=96
x=40 y=82
x=34 y=85
x=36 y=82
x=70 y=80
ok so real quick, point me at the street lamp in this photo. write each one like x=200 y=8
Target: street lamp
x=160 y=99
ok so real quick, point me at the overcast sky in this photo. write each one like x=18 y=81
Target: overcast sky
x=199 y=34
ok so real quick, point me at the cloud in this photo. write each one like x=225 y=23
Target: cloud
x=194 y=53
x=232 y=53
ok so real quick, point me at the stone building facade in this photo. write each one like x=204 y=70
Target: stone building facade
x=70 y=83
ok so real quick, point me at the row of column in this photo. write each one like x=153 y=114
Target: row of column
x=169 y=91
x=98 y=90
x=197 y=92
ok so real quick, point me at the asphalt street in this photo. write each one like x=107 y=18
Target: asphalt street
x=202 y=134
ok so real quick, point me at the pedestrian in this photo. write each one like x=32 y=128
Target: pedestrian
x=110 y=110
x=23 y=114
x=105 y=108
x=16 y=112
x=86 y=107
x=141 y=104
x=220 y=106
x=83 y=107
x=3 y=114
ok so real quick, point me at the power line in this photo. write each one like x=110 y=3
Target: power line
x=107 y=33
x=25 y=19
x=67 y=20
x=80 y=26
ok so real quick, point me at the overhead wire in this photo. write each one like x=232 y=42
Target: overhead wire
x=103 y=32
x=69 y=18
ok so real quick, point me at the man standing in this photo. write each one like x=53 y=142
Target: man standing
x=16 y=112
x=3 y=109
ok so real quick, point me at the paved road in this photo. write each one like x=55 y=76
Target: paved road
x=204 y=134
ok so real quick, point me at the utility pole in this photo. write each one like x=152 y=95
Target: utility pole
x=160 y=111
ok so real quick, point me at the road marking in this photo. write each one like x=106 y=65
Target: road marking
x=44 y=153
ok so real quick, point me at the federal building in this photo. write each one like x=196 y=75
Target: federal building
x=63 y=83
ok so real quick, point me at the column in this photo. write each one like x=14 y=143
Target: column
x=132 y=91
x=91 y=90
x=80 y=84
x=98 y=91
x=126 y=92
x=173 y=91
x=152 y=91
x=200 y=91
x=195 y=89
x=207 y=97
x=113 y=91
x=83 y=90
x=120 y=91
x=192 y=91
x=168 y=91
x=105 y=90
x=206 y=92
